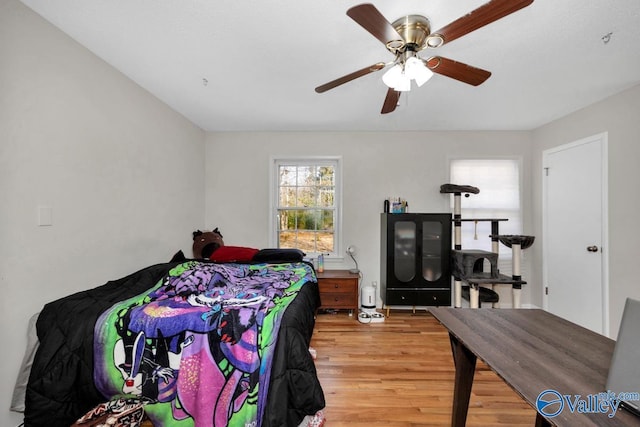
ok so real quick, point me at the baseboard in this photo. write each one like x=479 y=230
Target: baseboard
x=465 y=304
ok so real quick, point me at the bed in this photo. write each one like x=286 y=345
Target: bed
x=202 y=343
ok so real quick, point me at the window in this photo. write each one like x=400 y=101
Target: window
x=499 y=197
x=306 y=209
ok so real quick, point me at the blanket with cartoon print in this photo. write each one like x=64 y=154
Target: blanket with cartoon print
x=203 y=346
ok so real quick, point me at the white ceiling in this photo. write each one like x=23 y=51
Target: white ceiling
x=261 y=60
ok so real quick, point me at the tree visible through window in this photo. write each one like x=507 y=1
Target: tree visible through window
x=306 y=205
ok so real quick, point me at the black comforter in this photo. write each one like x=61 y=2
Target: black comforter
x=61 y=386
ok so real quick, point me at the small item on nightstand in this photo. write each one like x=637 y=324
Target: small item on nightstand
x=320 y=263
x=386 y=206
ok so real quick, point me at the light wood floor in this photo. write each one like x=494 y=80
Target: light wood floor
x=400 y=373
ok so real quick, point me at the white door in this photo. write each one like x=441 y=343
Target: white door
x=574 y=241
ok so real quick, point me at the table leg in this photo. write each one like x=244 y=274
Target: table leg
x=541 y=421
x=465 y=363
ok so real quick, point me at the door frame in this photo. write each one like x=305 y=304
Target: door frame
x=604 y=250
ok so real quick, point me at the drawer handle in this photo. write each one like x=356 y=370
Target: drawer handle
x=336 y=286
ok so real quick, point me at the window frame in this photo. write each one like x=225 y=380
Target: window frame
x=336 y=162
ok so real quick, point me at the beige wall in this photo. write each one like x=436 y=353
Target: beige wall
x=123 y=174
x=618 y=116
x=375 y=165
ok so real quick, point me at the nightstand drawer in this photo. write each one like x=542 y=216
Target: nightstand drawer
x=337 y=285
x=338 y=300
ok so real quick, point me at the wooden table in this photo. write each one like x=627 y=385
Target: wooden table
x=532 y=351
x=338 y=290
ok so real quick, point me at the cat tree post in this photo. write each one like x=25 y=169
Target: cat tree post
x=517 y=243
x=516 y=253
x=457 y=216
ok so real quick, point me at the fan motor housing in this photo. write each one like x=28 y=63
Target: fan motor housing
x=414 y=29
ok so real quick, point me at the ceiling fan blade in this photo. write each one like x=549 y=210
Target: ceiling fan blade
x=485 y=14
x=457 y=70
x=390 y=101
x=374 y=22
x=344 y=79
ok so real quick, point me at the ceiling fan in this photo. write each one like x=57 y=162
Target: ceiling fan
x=409 y=35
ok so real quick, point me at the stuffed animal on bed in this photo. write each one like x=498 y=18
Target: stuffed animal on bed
x=206 y=242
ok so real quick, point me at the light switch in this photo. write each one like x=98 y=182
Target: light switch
x=45 y=215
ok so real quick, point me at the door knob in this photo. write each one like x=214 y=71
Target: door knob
x=592 y=248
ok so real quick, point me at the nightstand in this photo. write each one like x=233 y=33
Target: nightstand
x=338 y=290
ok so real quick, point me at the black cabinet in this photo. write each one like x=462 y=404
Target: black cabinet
x=415 y=259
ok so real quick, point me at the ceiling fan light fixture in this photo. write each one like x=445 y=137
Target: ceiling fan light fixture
x=404 y=84
x=396 y=78
x=400 y=75
x=415 y=69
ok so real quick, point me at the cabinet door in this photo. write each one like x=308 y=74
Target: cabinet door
x=405 y=249
x=432 y=250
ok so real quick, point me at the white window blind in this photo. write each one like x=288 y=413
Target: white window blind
x=499 y=197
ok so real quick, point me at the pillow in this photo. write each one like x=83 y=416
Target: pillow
x=281 y=255
x=233 y=254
